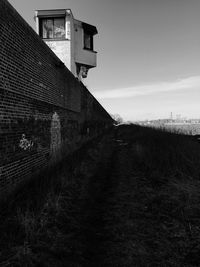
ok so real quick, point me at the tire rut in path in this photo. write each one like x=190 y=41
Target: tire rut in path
x=96 y=206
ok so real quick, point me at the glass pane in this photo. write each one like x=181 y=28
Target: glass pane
x=47 y=28
x=87 y=41
x=59 y=28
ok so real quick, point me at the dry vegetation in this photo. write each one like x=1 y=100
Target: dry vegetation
x=131 y=199
x=190 y=128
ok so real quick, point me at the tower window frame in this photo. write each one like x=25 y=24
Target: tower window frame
x=49 y=30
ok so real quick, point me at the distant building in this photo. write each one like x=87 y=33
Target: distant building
x=70 y=39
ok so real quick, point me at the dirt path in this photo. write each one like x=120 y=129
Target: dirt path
x=110 y=209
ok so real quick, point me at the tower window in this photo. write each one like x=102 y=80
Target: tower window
x=88 y=40
x=52 y=28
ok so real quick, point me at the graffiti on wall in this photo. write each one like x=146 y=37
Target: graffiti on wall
x=55 y=134
x=25 y=144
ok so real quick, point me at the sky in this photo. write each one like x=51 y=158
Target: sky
x=148 y=54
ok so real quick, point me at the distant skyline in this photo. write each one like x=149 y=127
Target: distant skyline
x=148 y=53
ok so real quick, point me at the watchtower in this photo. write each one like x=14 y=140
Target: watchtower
x=70 y=39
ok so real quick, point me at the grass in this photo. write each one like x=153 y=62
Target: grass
x=167 y=177
x=40 y=223
x=131 y=198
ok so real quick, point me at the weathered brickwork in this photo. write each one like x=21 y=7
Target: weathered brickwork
x=45 y=112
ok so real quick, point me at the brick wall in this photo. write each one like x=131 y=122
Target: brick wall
x=45 y=112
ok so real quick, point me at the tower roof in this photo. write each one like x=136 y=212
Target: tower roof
x=53 y=12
